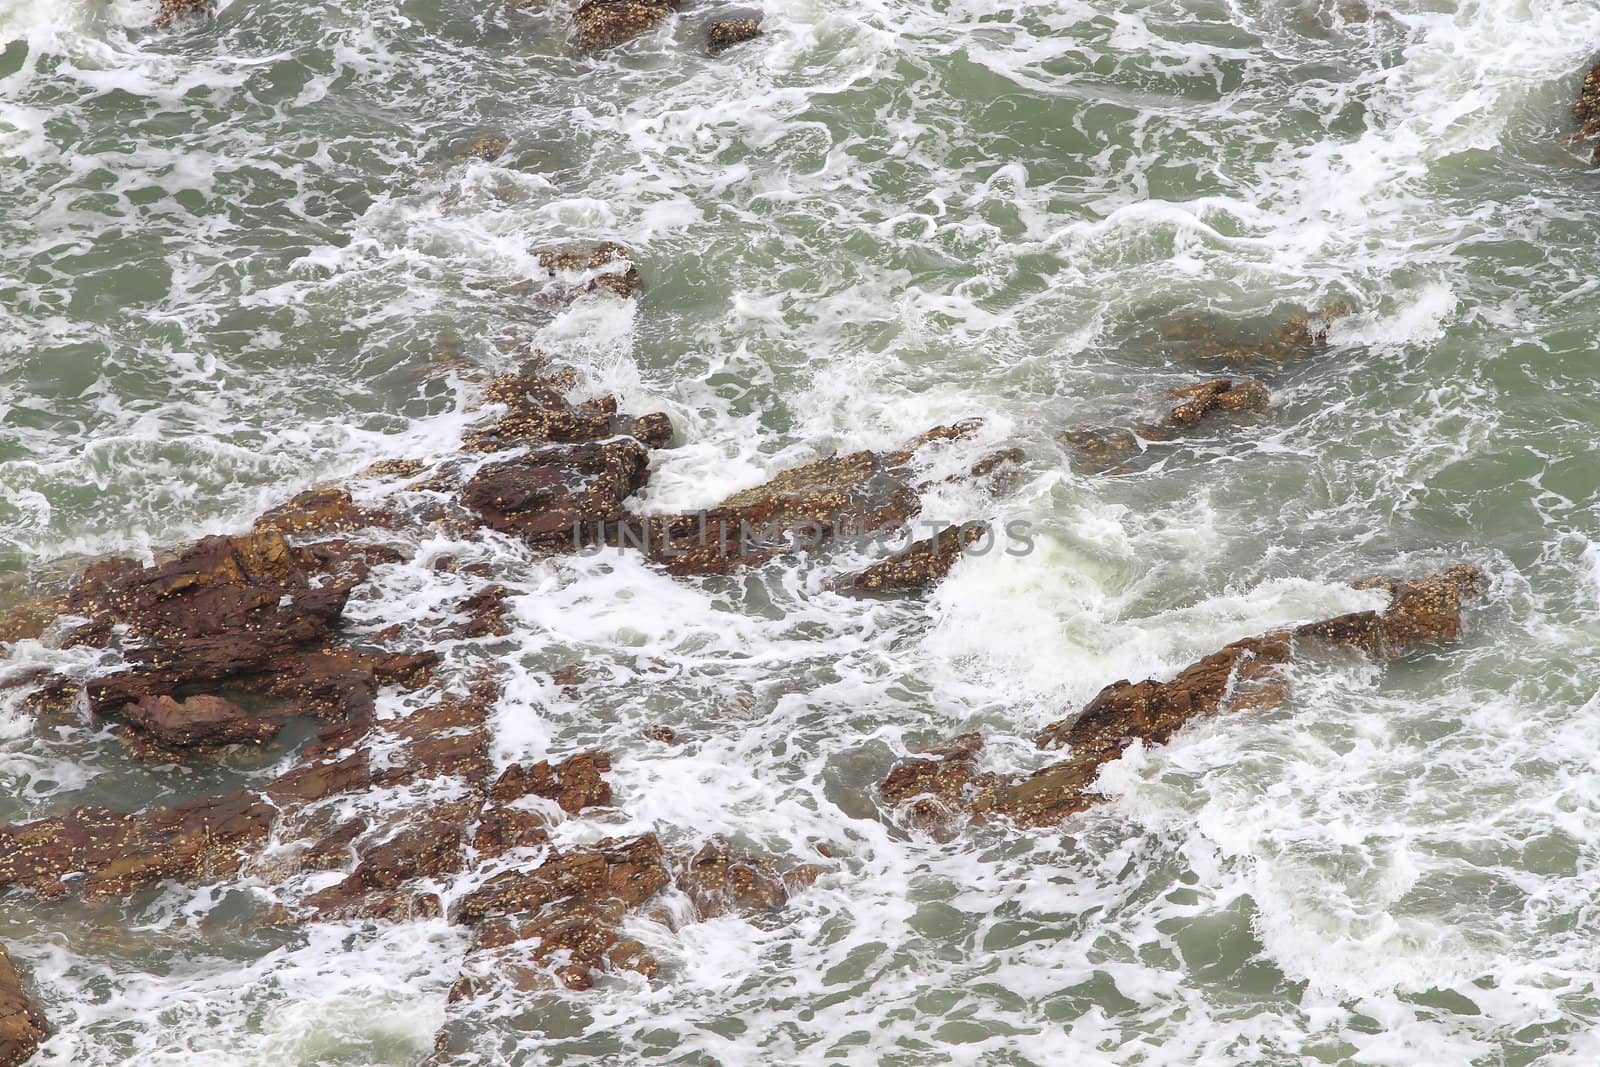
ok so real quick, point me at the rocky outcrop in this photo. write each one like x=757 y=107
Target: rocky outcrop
x=924 y=563
x=173 y=11
x=1244 y=674
x=22 y=1024
x=722 y=880
x=607 y=267
x=601 y=24
x=559 y=496
x=723 y=35
x=535 y=410
x=1105 y=449
x=855 y=495
x=1587 y=113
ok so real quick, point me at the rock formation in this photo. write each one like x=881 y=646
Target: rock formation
x=601 y=24
x=1105 y=449
x=1587 y=112
x=22 y=1024
x=725 y=34
x=1244 y=674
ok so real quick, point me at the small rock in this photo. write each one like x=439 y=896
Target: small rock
x=729 y=32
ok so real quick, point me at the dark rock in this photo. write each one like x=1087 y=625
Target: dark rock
x=729 y=32
x=559 y=495
x=22 y=1024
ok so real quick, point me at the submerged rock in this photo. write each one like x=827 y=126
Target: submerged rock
x=721 y=880
x=487 y=149
x=1244 y=674
x=22 y=1024
x=1301 y=335
x=601 y=24
x=1107 y=449
x=197 y=723
x=729 y=32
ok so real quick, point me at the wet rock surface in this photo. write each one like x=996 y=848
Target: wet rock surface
x=22 y=1024
x=922 y=564
x=1110 y=449
x=721 y=36
x=799 y=510
x=1244 y=674
x=1587 y=113
x=174 y=11
x=601 y=24
x=607 y=267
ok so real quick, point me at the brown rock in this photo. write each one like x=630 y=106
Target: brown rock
x=559 y=495
x=629 y=870
x=28 y=622
x=22 y=1024
x=924 y=563
x=574 y=784
x=1587 y=110
x=1106 y=449
x=1218 y=396
x=176 y=10
x=321 y=511
x=486 y=612
x=201 y=722
x=601 y=24
x=720 y=879
x=1244 y=674
x=799 y=510
x=607 y=266
x=537 y=411
x=487 y=149
x=111 y=854
x=729 y=32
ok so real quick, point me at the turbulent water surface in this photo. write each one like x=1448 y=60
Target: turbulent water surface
x=249 y=256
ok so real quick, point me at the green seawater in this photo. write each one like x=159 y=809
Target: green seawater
x=248 y=256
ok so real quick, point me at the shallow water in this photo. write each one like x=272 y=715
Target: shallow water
x=248 y=257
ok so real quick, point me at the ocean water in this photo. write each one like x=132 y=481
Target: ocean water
x=245 y=257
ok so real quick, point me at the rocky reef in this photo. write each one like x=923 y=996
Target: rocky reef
x=1108 y=449
x=945 y=782
x=22 y=1025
